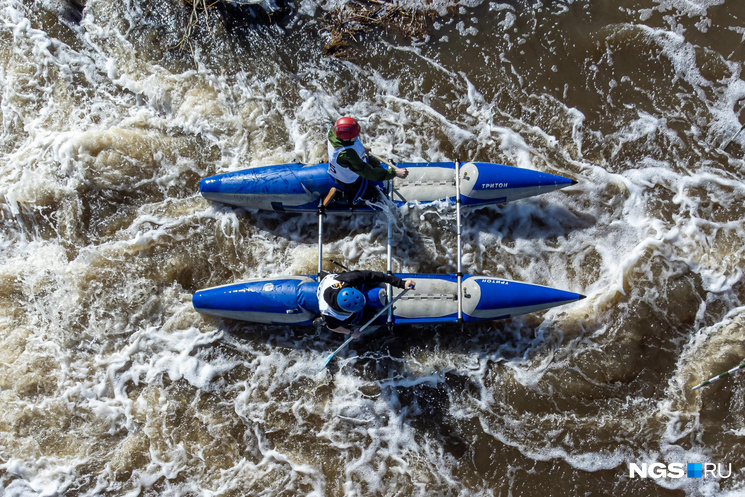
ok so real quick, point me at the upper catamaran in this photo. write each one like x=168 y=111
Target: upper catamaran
x=296 y=187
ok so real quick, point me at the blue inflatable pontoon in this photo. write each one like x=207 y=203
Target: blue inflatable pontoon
x=298 y=187
x=292 y=300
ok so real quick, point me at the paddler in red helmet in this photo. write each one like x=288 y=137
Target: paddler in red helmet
x=350 y=163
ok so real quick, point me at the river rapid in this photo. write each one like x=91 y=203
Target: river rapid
x=111 y=384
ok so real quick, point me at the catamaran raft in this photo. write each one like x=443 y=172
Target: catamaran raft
x=437 y=298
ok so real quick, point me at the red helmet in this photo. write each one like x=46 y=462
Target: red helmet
x=346 y=128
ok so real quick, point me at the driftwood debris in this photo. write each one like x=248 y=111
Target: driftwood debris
x=343 y=28
x=347 y=25
x=234 y=15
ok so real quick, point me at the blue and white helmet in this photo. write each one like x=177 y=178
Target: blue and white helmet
x=350 y=300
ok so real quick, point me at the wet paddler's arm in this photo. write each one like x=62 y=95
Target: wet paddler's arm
x=350 y=159
x=345 y=331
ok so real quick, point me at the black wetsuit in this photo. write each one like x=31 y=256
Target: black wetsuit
x=361 y=280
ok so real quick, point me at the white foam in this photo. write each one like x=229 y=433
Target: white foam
x=690 y=8
x=107 y=341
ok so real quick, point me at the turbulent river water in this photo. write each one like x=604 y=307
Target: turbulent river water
x=111 y=384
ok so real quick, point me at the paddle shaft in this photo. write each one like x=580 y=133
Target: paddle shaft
x=364 y=327
x=724 y=147
x=720 y=376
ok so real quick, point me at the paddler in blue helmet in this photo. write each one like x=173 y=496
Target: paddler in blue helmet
x=350 y=163
x=342 y=302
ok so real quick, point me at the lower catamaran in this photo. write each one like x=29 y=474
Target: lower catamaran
x=292 y=300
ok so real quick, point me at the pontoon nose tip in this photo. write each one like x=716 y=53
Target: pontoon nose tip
x=203 y=184
x=211 y=184
x=198 y=300
x=574 y=182
x=581 y=297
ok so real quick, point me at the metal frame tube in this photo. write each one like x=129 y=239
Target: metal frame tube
x=320 y=237
x=458 y=236
x=389 y=262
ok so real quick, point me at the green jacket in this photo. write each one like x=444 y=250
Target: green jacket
x=349 y=159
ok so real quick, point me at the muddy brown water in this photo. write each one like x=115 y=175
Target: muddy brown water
x=111 y=384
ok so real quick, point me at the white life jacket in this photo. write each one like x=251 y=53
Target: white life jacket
x=339 y=172
x=323 y=306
